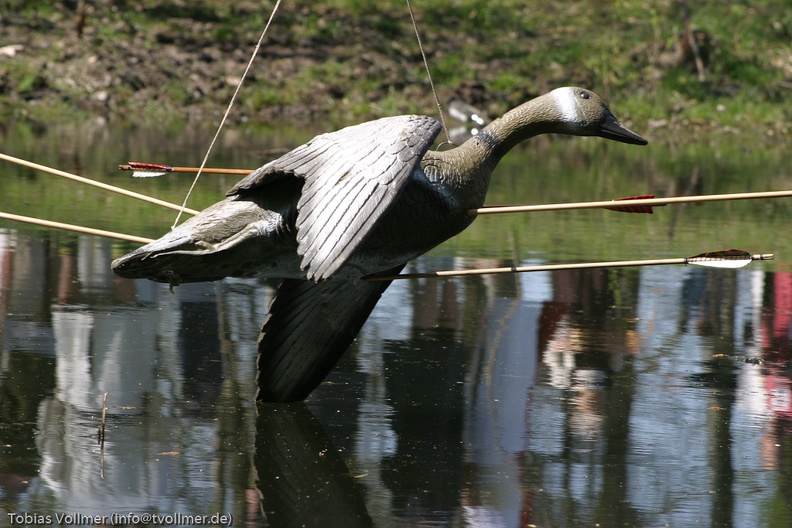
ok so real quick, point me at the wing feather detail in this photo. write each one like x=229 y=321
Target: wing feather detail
x=352 y=176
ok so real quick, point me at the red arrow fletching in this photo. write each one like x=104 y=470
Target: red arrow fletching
x=645 y=209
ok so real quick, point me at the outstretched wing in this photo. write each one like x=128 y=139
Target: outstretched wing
x=308 y=328
x=352 y=176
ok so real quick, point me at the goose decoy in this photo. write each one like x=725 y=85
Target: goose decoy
x=360 y=201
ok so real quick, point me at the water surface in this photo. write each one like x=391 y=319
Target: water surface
x=658 y=396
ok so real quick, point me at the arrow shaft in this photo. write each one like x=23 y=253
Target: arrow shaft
x=501 y=209
x=554 y=267
x=210 y=170
x=75 y=228
x=151 y=167
x=94 y=183
x=495 y=209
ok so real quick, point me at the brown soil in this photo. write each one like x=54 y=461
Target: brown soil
x=162 y=63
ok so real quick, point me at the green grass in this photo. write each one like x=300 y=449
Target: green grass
x=353 y=60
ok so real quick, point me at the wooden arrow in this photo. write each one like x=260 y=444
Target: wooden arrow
x=75 y=228
x=95 y=183
x=637 y=204
x=729 y=259
x=153 y=170
x=634 y=202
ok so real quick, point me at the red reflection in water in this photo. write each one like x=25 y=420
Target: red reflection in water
x=776 y=329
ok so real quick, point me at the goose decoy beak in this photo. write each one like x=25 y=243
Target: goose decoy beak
x=611 y=128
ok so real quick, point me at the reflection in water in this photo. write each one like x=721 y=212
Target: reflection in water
x=172 y=411
x=659 y=396
x=301 y=477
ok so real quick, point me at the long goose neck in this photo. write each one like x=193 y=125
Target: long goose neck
x=480 y=154
x=537 y=116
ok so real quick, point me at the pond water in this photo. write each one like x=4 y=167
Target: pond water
x=654 y=396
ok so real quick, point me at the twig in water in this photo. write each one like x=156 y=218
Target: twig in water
x=102 y=436
x=104 y=416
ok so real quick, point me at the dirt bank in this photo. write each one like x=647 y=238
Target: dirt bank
x=157 y=62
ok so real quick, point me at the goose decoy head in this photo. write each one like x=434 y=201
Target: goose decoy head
x=584 y=113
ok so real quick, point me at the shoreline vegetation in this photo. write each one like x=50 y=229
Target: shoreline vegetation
x=677 y=71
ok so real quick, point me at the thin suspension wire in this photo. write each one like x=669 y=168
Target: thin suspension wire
x=227 y=112
x=428 y=72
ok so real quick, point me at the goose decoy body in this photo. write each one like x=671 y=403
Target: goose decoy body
x=360 y=201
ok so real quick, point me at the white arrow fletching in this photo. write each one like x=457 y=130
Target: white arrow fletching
x=722 y=264
x=148 y=174
x=728 y=259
